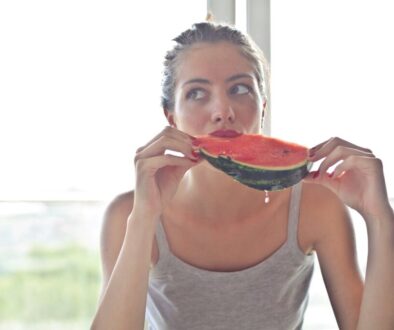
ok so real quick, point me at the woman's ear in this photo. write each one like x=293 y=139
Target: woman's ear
x=170 y=117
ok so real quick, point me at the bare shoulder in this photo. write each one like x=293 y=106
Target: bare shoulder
x=120 y=206
x=323 y=214
x=115 y=220
x=321 y=201
x=113 y=230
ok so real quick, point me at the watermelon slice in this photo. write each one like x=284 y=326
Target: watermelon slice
x=258 y=161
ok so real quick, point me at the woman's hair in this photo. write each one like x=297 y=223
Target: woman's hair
x=209 y=32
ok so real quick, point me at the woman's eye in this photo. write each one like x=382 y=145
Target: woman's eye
x=240 y=89
x=195 y=94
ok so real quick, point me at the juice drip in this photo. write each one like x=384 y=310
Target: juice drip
x=267 y=197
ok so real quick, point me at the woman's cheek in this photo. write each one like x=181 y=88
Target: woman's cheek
x=191 y=122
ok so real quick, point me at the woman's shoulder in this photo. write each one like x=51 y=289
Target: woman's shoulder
x=114 y=221
x=116 y=214
x=113 y=230
x=120 y=205
x=115 y=224
x=323 y=214
x=317 y=198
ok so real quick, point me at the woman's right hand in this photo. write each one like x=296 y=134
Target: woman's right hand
x=158 y=174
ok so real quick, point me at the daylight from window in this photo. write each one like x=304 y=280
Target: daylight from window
x=80 y=92
x=332 y=74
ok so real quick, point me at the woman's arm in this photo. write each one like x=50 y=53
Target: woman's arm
x=331 y=228
x=377 y=308
x=123 y=301
x=126 y=249
x=358 y=181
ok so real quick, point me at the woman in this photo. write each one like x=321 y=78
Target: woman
x=198 y=250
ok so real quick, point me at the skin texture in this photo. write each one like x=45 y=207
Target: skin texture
x=215 y=223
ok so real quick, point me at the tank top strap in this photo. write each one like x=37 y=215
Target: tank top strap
x=294 y=211
x=161 y=238
x=160 y=269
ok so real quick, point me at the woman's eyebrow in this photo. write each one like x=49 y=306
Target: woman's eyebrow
x=197 y=80
x=206 y=81
x=238 y=76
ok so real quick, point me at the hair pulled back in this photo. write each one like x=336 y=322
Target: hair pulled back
x=209 y=32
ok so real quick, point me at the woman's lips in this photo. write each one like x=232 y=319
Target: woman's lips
x=228 y=133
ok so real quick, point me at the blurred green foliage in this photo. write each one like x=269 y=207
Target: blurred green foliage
x=59 y=284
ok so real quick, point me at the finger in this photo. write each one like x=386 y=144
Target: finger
x=155 y=163
x=340 y=153
x=170 y=132
x=164 y=143
x=323 y=149
x=352 y=162
x=314 y=149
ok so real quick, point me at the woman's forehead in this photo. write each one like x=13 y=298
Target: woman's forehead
x=218 y=60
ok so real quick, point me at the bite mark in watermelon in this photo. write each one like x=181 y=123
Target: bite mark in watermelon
x=258 y=161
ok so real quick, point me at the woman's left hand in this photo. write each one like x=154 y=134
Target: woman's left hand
x=358 y=178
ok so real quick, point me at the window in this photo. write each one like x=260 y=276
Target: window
x=79 y=92
x=331 y=74
x=80 y=86
x=331 y=69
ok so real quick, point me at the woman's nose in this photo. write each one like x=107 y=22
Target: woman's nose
x=222 y=112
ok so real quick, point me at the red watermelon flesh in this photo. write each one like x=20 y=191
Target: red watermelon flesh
x=255 y=150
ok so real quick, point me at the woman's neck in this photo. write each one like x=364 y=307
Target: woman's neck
x=207 y=193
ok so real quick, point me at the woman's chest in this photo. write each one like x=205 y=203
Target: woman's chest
x=227 y=246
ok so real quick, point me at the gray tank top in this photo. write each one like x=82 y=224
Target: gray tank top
x=272 y=294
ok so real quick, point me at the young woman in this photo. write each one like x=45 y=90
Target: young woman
x=197 y=250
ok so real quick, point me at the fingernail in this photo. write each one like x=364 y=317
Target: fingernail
x=330 y=175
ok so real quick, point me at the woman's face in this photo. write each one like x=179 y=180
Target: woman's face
x=216 y=89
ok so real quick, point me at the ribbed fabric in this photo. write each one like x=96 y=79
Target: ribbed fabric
x=272 y=294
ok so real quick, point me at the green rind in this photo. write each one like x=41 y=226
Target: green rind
x=259 y=178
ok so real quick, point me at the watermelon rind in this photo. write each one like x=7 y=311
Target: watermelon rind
x=259 y=177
